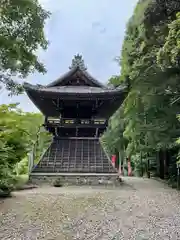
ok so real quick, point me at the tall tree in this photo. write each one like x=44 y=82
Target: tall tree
x=150 y=66
x=114 y=81
x=21 y=35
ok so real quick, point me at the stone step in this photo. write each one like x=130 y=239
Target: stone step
x=75 y=155
x=73 y=179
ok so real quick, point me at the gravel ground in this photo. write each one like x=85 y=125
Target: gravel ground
x=141 y=209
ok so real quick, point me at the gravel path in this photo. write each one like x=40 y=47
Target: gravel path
x=142 y=209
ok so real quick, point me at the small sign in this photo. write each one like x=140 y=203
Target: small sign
x=85 y=122
x=99 y=121
x=53 y=120
x=69 y=121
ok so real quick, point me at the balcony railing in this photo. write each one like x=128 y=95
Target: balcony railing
x=76 y=121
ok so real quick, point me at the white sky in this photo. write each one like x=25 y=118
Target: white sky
x=93 y=28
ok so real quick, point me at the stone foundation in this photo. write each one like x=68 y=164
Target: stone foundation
x=69 y=180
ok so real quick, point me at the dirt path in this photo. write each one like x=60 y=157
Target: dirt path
x=143 y=209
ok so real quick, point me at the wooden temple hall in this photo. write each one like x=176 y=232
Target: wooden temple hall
x=76 y=108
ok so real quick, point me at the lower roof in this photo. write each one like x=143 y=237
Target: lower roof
x=73 y=90
x=43 y=97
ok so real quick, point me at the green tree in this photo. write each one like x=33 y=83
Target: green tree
x=21 y=35
x=19 y=132
x=150 y=66
x=114 y=81
x=113 y=139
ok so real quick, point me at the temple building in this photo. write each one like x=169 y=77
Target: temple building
x=76 y=108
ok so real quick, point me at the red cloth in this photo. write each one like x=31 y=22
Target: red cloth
x=113 y=159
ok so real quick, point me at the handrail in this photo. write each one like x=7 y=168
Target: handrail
x=30 y=161
x=107 y=156
x=41 y=157
x=31 y=164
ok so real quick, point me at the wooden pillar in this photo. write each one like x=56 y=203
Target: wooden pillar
x=142 y=169
x=148 y=167
x=166 y=163
x=97 y=130
x=161 y=164
x=56 y=133
x=77 y=131
x=120 y=163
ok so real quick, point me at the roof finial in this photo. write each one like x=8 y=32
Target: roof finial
x=78 y=61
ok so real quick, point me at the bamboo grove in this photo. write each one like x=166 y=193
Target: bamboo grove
x=146 y=126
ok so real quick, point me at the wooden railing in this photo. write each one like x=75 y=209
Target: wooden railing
x=76 y=121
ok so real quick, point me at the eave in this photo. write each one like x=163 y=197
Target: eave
x=71 y=92
x=43 y=98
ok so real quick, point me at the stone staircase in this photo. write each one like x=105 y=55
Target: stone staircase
x=75 y=157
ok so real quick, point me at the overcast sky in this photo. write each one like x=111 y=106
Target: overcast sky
x=93 y=28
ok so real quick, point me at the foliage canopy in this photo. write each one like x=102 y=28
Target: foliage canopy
x=21 y=35
x=19 y=132
x=150 y=66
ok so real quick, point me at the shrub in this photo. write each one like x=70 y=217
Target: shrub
x=22 y=167
x=7 y=185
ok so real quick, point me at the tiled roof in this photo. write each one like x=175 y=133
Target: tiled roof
x=73 y=89
x=71 y=72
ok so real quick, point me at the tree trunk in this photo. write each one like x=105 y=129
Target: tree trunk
x=166 y=163
x=117 y=160
x=161 y=164
x=148 y=165
x=157 y=165
x=142 y=169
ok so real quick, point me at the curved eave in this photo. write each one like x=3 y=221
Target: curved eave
x=95 y=81
x=38 y=104
x=70 y=73
x=45 y=92
x=40 y=98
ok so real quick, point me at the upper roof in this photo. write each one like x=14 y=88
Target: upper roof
x=76 y=84
x=76 y=81
x=77 y=75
